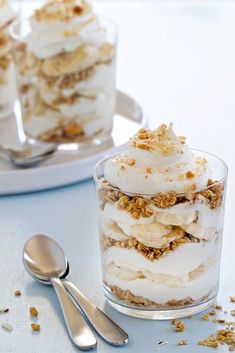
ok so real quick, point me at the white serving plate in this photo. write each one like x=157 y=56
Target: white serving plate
x=72 y=166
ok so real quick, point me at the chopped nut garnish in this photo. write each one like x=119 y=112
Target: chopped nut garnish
x=190 y=174
x=232 y=299
x=182 y=342
x=179 y=326
x=212 y=312
x=35 y=327
x=4 y=310
x=182 y=140
x=160 y=140
x=232 y=312
x=149 y=170
x=165 y=200
x=17 y=293
x=33 y=311
x=7 y=326
x=206 y=317
x=211 y=342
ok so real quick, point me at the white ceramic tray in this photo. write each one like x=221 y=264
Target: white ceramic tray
x=71 y=166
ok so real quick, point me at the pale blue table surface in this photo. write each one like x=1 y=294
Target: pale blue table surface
x=177 y=58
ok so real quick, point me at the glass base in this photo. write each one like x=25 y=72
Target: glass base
x=159 y=314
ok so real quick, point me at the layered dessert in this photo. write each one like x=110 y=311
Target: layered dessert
x=66 y=73
x=7 y=73
x=161 y=217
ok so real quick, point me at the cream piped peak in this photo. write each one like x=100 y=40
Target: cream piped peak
x=157 y=161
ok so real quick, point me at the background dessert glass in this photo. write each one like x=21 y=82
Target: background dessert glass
x=169 y=269
x=74 y=105
x=7 y=71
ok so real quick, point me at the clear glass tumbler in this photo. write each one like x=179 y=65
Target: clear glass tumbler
x=161 y=253
x=67 y=97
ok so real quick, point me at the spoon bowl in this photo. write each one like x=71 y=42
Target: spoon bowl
x=44 y=257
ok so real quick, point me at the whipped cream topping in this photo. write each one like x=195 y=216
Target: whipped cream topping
x=63 y=26
x=157 y=161
x=6 y=12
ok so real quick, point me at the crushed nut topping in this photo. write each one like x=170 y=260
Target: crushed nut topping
x=190 y=174
x=35 y=327
x=160 y=139
x=63 y=133
x=182 y=342
x=137 y=206
x=33 y=311
x=17 y=293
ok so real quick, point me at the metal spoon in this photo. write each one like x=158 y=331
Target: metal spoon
x=47 y=261
x=29 y=156
x=106 y=328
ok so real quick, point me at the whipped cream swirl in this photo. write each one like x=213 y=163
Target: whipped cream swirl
x=157 y=161
x=63 y=26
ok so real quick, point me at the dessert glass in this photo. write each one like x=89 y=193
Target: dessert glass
x=68 y=97
x=170 y=269
x=7 y=70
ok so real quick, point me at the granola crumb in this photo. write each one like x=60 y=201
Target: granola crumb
x=226 y=336
x=7 y=326
x=182 y=343
x=218 y=307
x=4 y=310
x=210 y=342
x=165 y=200
x=206 y=316
x=179 y=326
x=190 y=174
x=232 y=299
x=212 y=312
x=35 y=327
x=33 y=311
x=17 y=293
x=137 y=206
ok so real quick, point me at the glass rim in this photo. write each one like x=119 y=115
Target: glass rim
x=19 y=38
x=219 y=181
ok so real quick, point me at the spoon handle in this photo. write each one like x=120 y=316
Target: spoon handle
x=106 y=328
x=79 y=331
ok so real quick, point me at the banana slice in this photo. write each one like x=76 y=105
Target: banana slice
x=112 y=230
x=123 y=273
x=199 y=231
x=154 y=235
x=175 y=219
x=68 y=63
